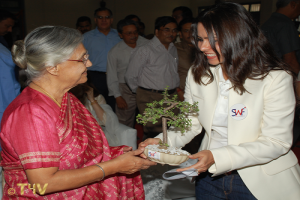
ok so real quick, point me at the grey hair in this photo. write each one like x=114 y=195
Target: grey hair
x=45 y=46
x=283 y=3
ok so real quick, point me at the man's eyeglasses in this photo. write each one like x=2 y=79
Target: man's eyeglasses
x=131 y=33
x=84 y=59
x=167 y=30
x=103 y=17
x=187 y=31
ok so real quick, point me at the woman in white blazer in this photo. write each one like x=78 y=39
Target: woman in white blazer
x=246 y=105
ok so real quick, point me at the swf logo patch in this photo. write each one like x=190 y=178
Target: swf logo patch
x=238 y=111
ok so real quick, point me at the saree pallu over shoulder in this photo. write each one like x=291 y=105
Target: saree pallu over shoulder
x=81 y=143
x=64 y=125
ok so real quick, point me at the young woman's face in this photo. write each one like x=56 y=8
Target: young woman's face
x=204 y=46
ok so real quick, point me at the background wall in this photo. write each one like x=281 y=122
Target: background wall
x=66 y=12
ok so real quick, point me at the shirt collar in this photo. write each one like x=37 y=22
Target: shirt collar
x=157 y=43
x=281 y=15
x=123 y=44
x=221 y=77
x=185 y=45
x=139 y=41
x=98 y=32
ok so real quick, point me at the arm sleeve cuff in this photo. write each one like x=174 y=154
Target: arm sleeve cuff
x=222 y=161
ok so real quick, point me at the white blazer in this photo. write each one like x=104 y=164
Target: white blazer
x=258 y=145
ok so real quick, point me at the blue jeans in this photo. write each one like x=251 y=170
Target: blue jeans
x=229 y=187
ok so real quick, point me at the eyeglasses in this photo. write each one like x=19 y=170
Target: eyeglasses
x=84 y=59
x=187 y=30
x=103 y=17
x=131 y=33
x=167 y=30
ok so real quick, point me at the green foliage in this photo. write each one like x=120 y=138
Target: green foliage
x=163 y=144
x=165 y=108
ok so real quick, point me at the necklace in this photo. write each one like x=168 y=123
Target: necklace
x=49 y=95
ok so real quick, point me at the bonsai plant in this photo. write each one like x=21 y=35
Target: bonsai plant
x=164 y=109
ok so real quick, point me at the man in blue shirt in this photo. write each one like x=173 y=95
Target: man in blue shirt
x=7 y=21
x=9 y=87
x=98 y=42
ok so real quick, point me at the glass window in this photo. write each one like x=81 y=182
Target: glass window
x=246 y=6
x=255 y=7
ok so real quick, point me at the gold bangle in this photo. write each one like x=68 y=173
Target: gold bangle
x=102 y=171
x=93 y=102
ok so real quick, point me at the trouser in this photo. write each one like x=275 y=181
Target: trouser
x=98 y=79
x=142 y=98
x=229 y=187
x=127 y=116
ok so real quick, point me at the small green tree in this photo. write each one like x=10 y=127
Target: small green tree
x=165 y=109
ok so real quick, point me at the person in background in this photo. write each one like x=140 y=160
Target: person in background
x=142 y=29
x=49 y=138
x=141 y=25
x=246 y=104
x=117 y=63
x=133 y=17
x=181 y=12
x=9 y=88
x=116 y=134
x=84 y=24
x=281 y=32
x=7 y=21
x=186 y=53
x=98 y=42
x=153 y=67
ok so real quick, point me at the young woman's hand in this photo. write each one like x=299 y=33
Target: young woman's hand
x=205 y=158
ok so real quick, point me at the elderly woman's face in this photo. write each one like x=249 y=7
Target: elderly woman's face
x=74 y=71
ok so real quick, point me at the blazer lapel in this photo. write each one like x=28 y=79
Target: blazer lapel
x=207 y=108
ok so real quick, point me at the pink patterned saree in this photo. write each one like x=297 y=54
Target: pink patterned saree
x=36 y=133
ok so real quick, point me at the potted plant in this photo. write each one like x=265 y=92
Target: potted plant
x=164 y=109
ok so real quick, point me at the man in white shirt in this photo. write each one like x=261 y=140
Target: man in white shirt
x=117 y=63
x=153 y=67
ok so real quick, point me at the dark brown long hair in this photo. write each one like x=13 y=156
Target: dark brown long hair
x=245 y=50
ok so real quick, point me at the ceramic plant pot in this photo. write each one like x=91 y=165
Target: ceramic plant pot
x=173 y=156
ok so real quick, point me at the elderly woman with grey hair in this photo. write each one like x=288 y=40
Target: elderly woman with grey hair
x=51 y=144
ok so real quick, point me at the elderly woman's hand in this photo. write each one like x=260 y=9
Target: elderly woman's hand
x=127 y=149
x=205 y=158
x=129 y=162
x=145 y=143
